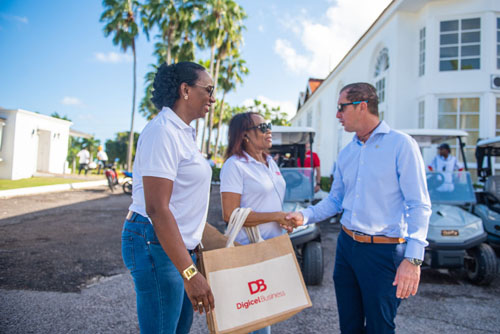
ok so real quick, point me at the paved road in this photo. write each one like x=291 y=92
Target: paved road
x=61 y=272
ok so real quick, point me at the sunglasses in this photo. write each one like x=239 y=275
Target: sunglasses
x=340 y=106
x=209 y=88
x=263 y=127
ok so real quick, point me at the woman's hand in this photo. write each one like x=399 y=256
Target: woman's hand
x=199 y=293
x=287 y=224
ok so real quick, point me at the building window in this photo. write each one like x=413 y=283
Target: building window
x=421 y=58
x=309 y=118
x=382 y=64
x=460 y=44
x=380 y=86
x=380 y=74
x=421 y=114
x=498 y=43
x=462 y=114
x=497 y=128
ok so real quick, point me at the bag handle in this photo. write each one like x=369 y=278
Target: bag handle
x=236 y=221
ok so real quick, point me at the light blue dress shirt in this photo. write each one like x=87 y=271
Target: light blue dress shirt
x=381 y=186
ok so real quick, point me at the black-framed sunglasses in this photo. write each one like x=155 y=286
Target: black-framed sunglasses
x=209 y=88
x=263 y=127
x=340 y=106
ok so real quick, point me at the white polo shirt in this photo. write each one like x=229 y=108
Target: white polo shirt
x=167 y=149
x=262 y=189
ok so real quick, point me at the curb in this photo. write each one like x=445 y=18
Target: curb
x=52 y=188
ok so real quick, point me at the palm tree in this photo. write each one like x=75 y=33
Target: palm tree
x=120 y=19
x=174 y=20
x=221 y=30
x=233 y=69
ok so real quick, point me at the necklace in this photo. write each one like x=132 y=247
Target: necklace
x=365 y=137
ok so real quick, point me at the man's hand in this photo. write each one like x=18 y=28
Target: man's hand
x=296 y=217
x=407 y=279
x=317 y=188
x=199 y=293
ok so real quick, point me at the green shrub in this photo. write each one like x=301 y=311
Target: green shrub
x=326 y=184
x=215 y=174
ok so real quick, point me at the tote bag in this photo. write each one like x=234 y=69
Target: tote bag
x=255 y=285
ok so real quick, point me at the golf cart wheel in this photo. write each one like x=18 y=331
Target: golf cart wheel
x=127 y=188
x=312 y=263
x=482 y=266
x=111 y=184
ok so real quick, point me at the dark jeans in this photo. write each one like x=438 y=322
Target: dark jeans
x=83 y=166
x=363 y=277
x=162 y=303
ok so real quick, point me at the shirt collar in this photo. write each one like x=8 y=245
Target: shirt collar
x=176 y=120
x=382 y=128
x=248 y=158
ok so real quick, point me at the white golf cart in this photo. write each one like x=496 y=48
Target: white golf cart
x=288 y=146
x=488 y=200
x=456 y=237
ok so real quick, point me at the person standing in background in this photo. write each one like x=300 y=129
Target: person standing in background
x=102 y=159
x=316 y=165
x=83 y=160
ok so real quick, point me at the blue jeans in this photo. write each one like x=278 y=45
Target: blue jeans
x=162 y=303
x=265 y=330
x=363 y=276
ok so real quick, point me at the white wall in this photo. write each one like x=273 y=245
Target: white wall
x=398 y=31
x=36 y=143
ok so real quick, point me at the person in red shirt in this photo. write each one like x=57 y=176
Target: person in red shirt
x=316 y=164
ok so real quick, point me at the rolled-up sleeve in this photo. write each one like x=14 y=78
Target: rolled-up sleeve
x=413 y=185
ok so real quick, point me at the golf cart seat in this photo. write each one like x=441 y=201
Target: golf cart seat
x=492 y=188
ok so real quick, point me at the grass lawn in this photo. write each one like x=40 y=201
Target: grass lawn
x=35 y=182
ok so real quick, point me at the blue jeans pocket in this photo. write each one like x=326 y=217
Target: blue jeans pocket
x=128 y=251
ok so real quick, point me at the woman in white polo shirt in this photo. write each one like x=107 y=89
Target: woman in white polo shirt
x=251 y=179
x=170 y=203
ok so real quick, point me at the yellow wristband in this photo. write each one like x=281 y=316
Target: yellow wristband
x=189 y=272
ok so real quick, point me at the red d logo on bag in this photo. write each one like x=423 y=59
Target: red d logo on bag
x=257 y=286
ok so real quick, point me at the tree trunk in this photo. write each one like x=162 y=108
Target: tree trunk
x=131 y=135
x=211 y=112
x=219 y=126
x=212 y=58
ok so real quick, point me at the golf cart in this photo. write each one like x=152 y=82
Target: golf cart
x=288 y=146
x=456 y=236
x=488 y=200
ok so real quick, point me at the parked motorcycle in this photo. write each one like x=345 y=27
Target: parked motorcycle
x=111 y=176
x=127 y=182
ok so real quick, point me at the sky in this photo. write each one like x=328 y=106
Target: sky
x=55 y=57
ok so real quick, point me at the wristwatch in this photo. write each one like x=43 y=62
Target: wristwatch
x=414 y=261
x=189 y=272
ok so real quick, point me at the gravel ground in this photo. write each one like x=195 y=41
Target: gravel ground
x=61 y=272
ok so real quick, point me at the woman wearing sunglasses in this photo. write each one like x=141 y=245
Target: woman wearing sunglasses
x=251 y=179
x=170 y=202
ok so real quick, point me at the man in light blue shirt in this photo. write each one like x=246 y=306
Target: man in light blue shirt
x=380 y=185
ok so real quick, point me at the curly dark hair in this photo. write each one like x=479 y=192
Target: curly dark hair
x=363 y=91
x=169 y=78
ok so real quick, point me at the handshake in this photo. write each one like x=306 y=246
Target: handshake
x=290 y=220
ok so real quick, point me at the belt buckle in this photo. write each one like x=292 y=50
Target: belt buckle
x=354 y=236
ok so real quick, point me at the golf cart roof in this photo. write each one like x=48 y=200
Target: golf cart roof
x=289 y=135
x=492 y=142
x=427 y=137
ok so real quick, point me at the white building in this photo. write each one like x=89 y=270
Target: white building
x=435 y=64
x=31 y=143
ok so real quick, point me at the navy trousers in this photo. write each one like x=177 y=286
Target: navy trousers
x=363 y=277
